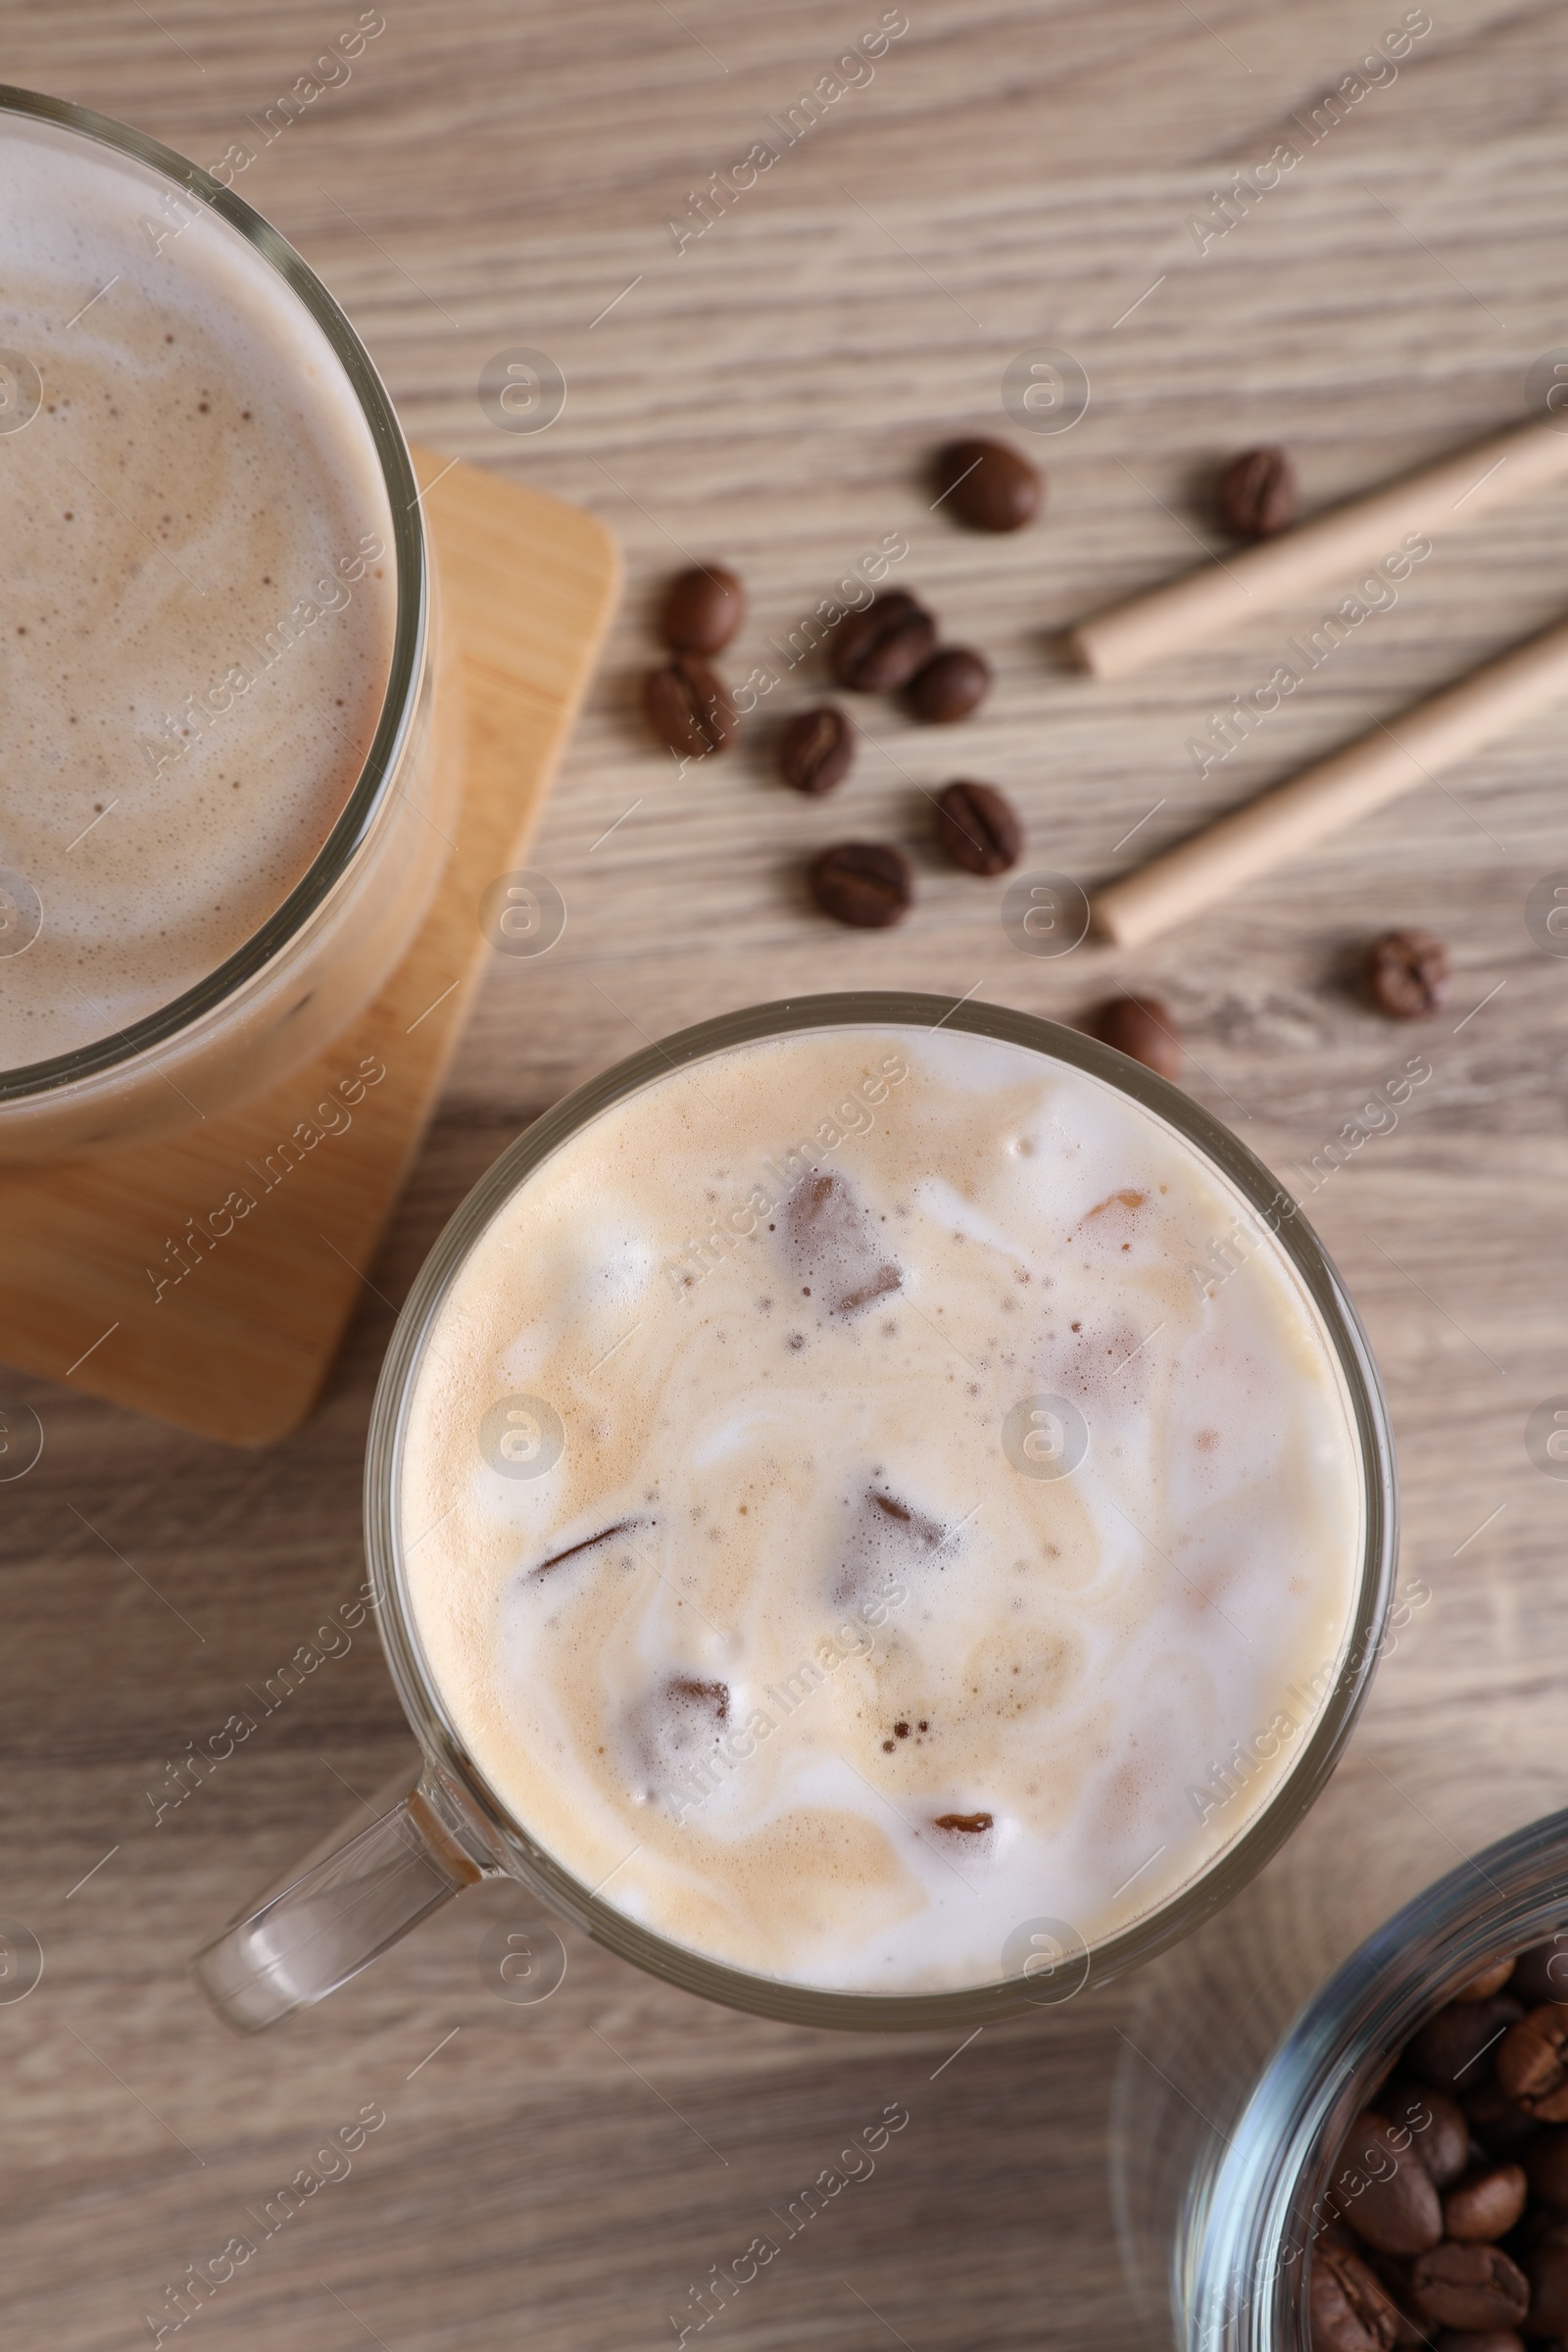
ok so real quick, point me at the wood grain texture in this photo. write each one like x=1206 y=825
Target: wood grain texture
x=494 y=173
x=231 y=1335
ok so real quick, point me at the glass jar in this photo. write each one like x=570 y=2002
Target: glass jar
x=1225 y=2129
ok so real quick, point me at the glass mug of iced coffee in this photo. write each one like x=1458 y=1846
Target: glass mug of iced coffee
x=880 y=1511
x=215 y=812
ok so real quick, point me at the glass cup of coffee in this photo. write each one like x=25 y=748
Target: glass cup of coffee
x=879 y=1512
x=220 y=818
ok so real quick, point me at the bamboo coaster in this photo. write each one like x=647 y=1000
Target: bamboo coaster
x=103 y=1282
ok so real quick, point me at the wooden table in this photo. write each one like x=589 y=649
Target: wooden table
x=496 y=174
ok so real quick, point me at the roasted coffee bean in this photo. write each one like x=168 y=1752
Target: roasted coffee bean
x=1546 y=2160
x=1406 y=2331
x=689 y=708
x=702 y=610
x=1487 y=2203
x=1547 y=2269
x=1496 y=2124
x=816 y=750
x=1258 y=493
x=953 y=683
x=867 y=884
x=1144 y=1028
x=879 y=649
x=1388 y=2198
x=1409 y=975
x=987 y=485
x=1541 y=1974
x=1350 y=2310
x=1438 y=2132
x=1447 y=2049
x=1531 y=2063
x=1469 y=2286
x=1395 y=2277
x=977 y=827
x=1491 y=2339
x=1490 y=1979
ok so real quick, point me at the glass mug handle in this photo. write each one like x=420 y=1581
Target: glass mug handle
x=335 y=1914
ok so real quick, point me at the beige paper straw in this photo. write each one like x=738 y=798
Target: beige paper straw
x=1333 y=791
x=1144 y=628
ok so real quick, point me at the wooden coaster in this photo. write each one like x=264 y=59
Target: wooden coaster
x=237 y=1347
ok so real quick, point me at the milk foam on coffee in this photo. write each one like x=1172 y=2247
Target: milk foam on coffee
x=752 y=1546
x=200 y=597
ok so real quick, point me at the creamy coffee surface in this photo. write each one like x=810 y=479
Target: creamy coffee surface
x=851 y=1514
x=200 y=597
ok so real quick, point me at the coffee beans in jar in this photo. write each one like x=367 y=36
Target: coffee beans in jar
x=1447 y=2202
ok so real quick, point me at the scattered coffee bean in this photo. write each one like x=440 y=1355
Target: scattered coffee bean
x=1407 y=973
x=1541 y=1974
x=688 y=708
x=1486 y=2203
x=1489 y=1980
x=1533 y=2063
x=702 y=610
x=987 y=485
x=951 y=684
x=1143 y=1029
x=1491 y=2339
x=879 y=649
x=816 y=750
x=1469 y=2286
x=977 y=827
x=1258 y=493
x=867 y=884
x=1396 y=2210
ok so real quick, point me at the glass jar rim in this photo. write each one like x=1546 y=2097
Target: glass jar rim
x=103 y=1056
x=417 y=1688
x=1255 y=2208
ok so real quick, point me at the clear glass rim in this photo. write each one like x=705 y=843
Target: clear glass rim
x=373 y=786
x=1255 y=2202
x=772 y=1996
